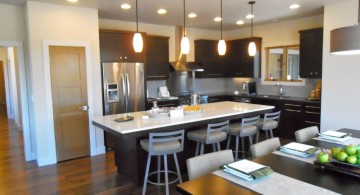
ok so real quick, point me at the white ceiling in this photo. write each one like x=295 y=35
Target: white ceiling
x=265 y=11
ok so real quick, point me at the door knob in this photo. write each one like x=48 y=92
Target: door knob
x=83 y=108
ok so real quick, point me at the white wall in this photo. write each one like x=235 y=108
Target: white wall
x=66 y=24
x=12 y=21
x=277 y=34
x=341 y=80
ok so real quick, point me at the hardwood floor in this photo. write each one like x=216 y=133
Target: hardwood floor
x=88 y=175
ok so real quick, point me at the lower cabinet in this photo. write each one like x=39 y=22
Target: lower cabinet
x=219 y=98
x=163 y=103
x=312 y=112
x=292 y=119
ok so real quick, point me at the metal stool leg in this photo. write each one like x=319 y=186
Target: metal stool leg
x=146 y=174
x=257 y=136
x=177 y=168
x=202 y=149
x=166 y=175
x=266 y=133
x=197 y=148
x=159 y=169
x=271 y=133
x=237 y=149
x=243 y=147
x=213 y=146
x=218 y=146
x=228 y=142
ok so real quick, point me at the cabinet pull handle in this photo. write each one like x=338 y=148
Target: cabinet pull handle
x=311 y=112
x=293 y=110
x=156 y=76
x=312 y=122
x=293 y=105
x=312 y=107
x=166 y=105
x=214 y=74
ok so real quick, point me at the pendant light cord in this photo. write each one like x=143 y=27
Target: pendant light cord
x=359 y=13
x=137 y=20
x=252 y=19
x=221 y=22
x=184 y=21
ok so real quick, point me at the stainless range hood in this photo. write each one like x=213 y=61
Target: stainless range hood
x=186 y=66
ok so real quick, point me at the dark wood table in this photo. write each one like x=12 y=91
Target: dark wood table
x=130 y=158
x=303 y=171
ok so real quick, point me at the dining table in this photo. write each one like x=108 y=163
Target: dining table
x=305 y=172
x=130 y=158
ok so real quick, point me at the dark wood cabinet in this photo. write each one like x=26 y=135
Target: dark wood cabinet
x=117 y=46
x=162 y=103
x=292 y=119
x=157 y=57
x=207 y=54
x=218 y=98
x=238 y=61
x=312 y=112
x=311 y=51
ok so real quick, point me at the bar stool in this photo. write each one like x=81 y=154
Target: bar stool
x=162 y=144
x=268 y=123
x=214 y=134
x=247 y=128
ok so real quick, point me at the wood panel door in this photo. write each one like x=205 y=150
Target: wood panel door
x=69 y=93
x=2 y=85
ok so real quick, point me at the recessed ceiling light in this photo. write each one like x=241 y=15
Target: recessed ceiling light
x=294 y=6
x=125 y=6
x=249 y=16
x=161 y=11
x=72 y=1
x=192 y=15
x=240 y=22
x=217 y=19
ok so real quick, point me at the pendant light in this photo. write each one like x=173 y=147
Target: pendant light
x=221 y=44
x=185 y=44
x=137 y=40
x=252 y=45
x=346 y=41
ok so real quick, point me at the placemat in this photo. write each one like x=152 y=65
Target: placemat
x=309 y=159
x=276 y=184
x=353 y=140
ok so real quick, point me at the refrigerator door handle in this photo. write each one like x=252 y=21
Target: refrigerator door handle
x=123 y=89
x=128 y=86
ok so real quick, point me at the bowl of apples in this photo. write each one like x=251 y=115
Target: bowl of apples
x=349 y=155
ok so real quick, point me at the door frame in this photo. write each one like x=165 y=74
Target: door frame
x=48 y=90
x=7 y=90
x=30 y=153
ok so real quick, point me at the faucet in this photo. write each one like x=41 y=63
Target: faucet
x=281 y=90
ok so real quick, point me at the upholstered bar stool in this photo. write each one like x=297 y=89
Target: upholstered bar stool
x=268 y=123
x=247 y=128
x=214 y=134
x=162 y=144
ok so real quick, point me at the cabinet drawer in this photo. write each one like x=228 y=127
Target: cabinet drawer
x=293 y=107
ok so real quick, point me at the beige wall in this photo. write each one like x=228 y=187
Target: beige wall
x=12 y=21
x=66 y=24
x=340 y=83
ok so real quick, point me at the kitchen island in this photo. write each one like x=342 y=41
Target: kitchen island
x=130 y=159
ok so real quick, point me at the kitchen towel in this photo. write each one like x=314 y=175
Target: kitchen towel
x=275 y=184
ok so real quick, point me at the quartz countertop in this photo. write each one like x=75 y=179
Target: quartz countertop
x=210 y=111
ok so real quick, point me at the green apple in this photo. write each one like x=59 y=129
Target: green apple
x=358 y=161
x=351 y=159
x=334 y=151
x=350 y=149
x=358 y=147
x=341 y=156
x=323 y=157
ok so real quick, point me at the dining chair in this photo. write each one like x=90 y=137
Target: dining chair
x=247 y=128
x=162 y=144
x=306 y=134
x=264 y=147
x=268 y=123
x=207 y=163
x=213 y=134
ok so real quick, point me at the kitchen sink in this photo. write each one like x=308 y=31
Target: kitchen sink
x=275 y=96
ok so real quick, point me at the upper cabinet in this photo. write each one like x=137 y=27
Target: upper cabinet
x=235 y=63
x=238 y=61
x=157 y=57
x=207 y=54
x=117 y=46
x=311 y=47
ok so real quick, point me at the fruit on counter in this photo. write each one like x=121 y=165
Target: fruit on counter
x=192 y=108
x=350 y=149
x=351 y=159
x=334 y=151
x=323 y=157
x=341 y=156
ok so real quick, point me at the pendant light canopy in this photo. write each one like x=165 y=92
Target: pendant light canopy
x=185 y=44
x=252 y=45
x=221 y=44
x=137 y=40
x=346 y=41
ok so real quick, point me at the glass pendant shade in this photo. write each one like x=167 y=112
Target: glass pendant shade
x=185 y=45
x=222 y=47
x=138 y=42
x=252 y=48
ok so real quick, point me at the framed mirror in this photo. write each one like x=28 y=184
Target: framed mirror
x=282 y=63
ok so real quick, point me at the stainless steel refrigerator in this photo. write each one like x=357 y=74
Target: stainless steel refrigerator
x=123 y=90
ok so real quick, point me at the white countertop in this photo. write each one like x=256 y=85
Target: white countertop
x=210 y=111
